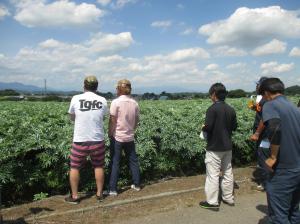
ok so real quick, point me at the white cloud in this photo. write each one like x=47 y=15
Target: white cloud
x=236 y=66
x=187 y=31
x=68 y=63
x=104 y=2
x=224 y=51
x=273 y=67
x=295 y=52
x=121 y=3
x=273 y=47
x=211 y=67
x=162 y=24
x=188 y=54
x=251 y=27
x=58 y=13
x=51 y=43
x=3 y=12
x=110 y=42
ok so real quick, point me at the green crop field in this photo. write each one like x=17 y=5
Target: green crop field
x=35 y=140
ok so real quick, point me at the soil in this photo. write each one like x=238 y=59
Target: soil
x=111 y=210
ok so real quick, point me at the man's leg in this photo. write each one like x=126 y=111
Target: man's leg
x=294 y=211
x=97 y=154
x=280 y=192
x=74 y=181
x=99 y=177
x=227 y=180
x=77 y=159
x=131 y=155
x=115 y=166
x=213 y=167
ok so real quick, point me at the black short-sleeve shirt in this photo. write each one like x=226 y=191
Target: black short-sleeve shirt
x=289 y=115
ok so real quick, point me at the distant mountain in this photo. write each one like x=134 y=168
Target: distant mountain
x=20 y=87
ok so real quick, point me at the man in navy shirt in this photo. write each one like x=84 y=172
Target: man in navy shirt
x=282 y=121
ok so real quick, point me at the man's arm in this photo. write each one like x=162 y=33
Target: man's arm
x=111 y=125
x=72 y=117
x=209 y=121
x=274 y=135
x=273 y=157
x=258 y=131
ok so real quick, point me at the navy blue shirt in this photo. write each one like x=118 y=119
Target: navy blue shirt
x=289 y=115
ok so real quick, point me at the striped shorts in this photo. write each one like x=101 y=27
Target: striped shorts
x=81 y=150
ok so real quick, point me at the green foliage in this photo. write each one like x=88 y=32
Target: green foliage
x=292 y=90
x=35 y=141
x=237 y=93
x=40 y=196
x=9 y=92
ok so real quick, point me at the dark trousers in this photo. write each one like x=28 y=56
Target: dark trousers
x=283 y=195
x=264 y=174
x=115 y=158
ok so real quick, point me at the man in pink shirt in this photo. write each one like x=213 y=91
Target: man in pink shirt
x=123 y=121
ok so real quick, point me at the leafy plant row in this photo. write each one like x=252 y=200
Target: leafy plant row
x=35 y=140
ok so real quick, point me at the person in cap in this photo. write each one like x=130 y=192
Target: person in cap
x=88 y=111
x=282 y=120
x=220 y=122
x=259 y=137
x=123 y=121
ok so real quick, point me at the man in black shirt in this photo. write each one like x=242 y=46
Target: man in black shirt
x=259 y=136
x=220 y=122
x=282 y=121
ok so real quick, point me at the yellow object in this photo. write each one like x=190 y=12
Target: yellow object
x=250 y=103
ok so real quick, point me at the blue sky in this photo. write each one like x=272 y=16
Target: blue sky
x=159 y=45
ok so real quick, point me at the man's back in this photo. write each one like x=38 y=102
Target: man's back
x=89 y=109
x=126 y=111
x=289 y=115
x=220 y=122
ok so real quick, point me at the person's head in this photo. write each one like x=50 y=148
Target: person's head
x=217 y=92
x=259 y=82
x=123 y=87
x=90 y=83
x=271 y=87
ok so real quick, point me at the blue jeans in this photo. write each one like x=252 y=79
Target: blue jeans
x=115 y=158
x=283 y=195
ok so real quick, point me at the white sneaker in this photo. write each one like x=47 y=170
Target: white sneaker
x=110 y=193
x=135 y=187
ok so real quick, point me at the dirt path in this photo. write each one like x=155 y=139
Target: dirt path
x=249 y=209
x=157 y=198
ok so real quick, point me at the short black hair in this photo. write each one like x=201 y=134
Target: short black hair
x=220 y=91
x=272 y=85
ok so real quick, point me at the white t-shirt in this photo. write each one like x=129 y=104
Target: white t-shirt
x=89 y=109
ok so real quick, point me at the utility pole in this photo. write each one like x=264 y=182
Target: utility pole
x=45 y=87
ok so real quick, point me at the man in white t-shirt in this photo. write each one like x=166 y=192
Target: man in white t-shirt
x=88 y=111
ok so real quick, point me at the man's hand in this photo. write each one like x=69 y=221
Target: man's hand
x=270 y=162
x=254 y=137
